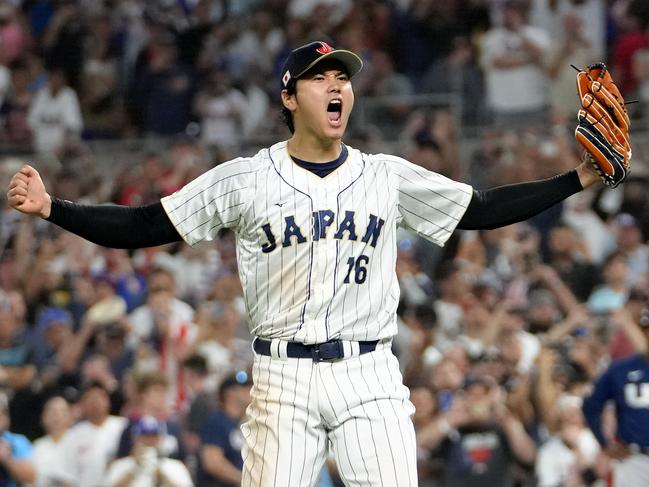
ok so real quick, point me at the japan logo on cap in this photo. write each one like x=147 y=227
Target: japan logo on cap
x=325 y=48
x=286 y=78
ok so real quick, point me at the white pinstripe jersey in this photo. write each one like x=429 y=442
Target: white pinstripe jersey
x=317 y=256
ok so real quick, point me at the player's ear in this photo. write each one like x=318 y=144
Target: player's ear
x=289 y=100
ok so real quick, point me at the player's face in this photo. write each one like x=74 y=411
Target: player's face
x=323 y=102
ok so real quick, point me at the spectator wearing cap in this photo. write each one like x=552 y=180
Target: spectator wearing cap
x=91 y=443
x=220 y=458
x=153 y=400
x=54 y=331
x=48 y=455
x=16 y=455
x=147 y=466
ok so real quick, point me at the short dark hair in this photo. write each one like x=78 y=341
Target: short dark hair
x=197 y=364
x=237 y=380
x=286 y=114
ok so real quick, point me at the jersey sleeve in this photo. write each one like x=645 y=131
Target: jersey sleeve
x=210 y=202
x=428 y=203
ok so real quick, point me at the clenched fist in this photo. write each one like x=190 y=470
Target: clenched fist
x=27 y=193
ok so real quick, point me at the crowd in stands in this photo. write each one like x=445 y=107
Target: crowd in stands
x=132 y=368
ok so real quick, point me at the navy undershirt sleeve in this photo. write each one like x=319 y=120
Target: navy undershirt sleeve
x=504 y=205
x=119 y=227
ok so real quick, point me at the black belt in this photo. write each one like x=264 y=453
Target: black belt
x=319 y=352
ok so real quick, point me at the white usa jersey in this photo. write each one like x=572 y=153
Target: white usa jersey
x=317 y=256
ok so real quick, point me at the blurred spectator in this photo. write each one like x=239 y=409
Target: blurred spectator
x=13 y=38
x=55 y=116
x=479 y=440
x=218 y=343
x=611 y=294
x=146 y=466
x=164 y=90
x=629 y=241
x=153 y=400
x=48 y=454
x=573 y=48
x=164 y=325
x=452 y=287
x=16 y=354
x=551 y=15
x=101 y=102
x=459 y=73
x=16 y=104
x=627 y=338
x=201 y=401
x=221 y=460
x=258 y=45
x=569 y=456
x=630 y=41
x=513 y=60
x=221 y=108
x=423 y=398
x=62 y=40
x=91 y=443
x=16 y=456
x=54 y=332
x=570 y=259
x=623 y=384
x=191 y=40
x=96 y=368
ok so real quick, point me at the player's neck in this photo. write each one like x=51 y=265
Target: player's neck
x=313 y=149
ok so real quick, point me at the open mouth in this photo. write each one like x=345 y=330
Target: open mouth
x=334 y=111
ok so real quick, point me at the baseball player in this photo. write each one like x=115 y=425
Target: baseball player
x=626 y=384
x=316 y=225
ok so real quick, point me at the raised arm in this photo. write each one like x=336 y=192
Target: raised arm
x=504 y=205
x=107 y=225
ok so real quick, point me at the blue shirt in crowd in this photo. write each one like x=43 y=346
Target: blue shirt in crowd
x=626 y=384
x=21 y=449
x=222 y=431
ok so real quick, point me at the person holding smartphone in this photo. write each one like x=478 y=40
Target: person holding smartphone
x=145 y=467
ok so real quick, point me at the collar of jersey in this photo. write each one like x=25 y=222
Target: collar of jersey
x=304 y=180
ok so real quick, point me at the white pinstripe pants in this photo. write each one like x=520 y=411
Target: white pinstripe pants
x=358 y=407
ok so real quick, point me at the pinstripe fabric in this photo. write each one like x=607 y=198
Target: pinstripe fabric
x=305 y=288
x=359 y=404
x=316 y=258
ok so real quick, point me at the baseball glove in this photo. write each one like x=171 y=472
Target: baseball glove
x=603 y=128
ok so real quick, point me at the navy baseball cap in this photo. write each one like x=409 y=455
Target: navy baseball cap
x=300 y=60
x=51 y=316
x=148 y=426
